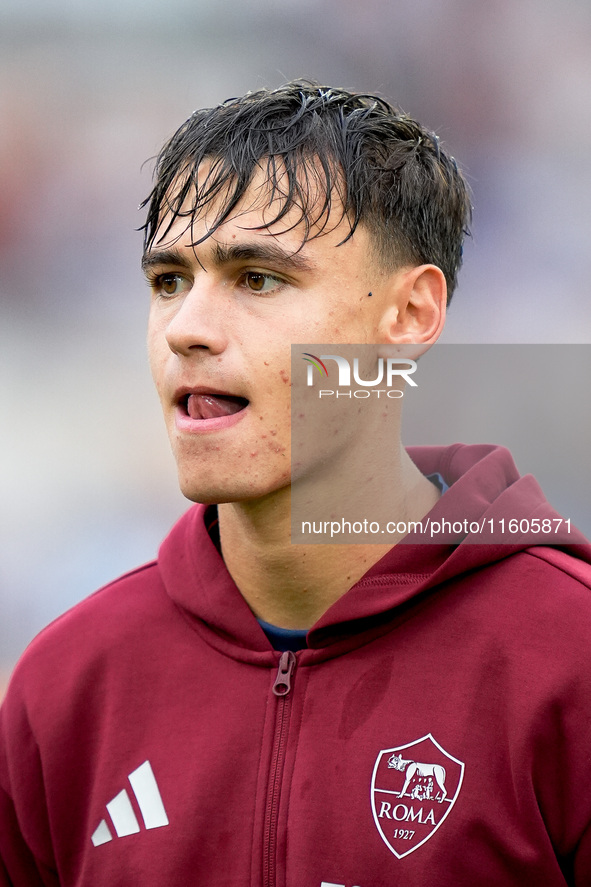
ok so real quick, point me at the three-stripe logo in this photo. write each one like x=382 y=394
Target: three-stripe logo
x=121 y=813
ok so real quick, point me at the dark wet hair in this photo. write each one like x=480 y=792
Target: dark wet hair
x=315 y=144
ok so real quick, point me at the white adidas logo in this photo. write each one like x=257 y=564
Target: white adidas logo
x=145 y=789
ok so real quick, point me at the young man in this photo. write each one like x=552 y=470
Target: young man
x=249 y=711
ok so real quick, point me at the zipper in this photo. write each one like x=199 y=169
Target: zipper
x=281 y=689
x=282 y=684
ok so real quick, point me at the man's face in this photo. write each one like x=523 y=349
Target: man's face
x=223 y=317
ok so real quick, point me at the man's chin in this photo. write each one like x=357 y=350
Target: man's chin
x=220 y=494
x=204 y=495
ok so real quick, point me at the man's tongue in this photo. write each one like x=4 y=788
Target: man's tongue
x=212 y=406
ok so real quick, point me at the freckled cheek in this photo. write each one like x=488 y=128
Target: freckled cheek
x=273 y=392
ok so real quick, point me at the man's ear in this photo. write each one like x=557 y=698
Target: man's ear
x=416 y=313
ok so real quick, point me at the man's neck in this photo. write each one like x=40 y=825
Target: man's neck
x=292 y=586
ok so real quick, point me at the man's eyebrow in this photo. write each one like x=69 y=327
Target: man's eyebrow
x=164 y=257
x=225 y=254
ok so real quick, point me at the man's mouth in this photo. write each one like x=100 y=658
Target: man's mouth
x=213 y=406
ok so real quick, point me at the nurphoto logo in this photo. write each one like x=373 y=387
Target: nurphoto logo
x=389 y=371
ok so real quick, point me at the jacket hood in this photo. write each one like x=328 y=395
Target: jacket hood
x=485 y=488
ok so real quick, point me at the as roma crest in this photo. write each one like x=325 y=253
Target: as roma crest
x=413 y=789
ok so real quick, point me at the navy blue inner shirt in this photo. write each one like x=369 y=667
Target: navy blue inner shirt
x=285 y=638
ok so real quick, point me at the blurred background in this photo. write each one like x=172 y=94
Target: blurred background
x=90 y=89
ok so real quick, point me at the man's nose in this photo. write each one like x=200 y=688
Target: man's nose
x=199 y=323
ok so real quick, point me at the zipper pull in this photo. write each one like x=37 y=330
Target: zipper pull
x=287 y=663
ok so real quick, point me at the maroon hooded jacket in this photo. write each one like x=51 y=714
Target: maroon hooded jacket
x=437 y=731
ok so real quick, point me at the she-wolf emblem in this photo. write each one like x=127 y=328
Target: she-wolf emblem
x=422 y=777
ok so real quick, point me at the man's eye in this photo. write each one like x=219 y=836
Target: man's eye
x=170 y=284
x=259 y=282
